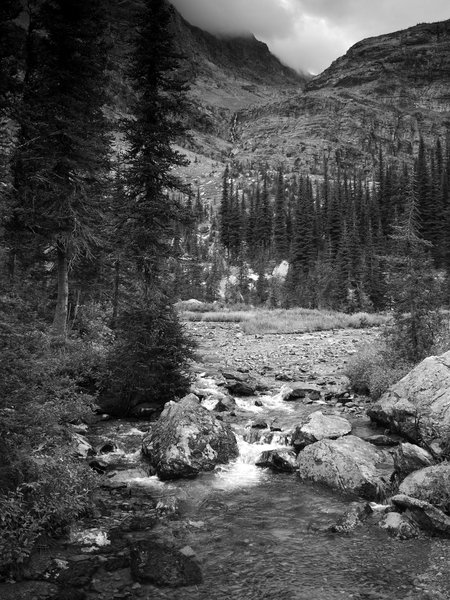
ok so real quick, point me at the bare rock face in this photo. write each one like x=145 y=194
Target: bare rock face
x=348 y=464
x=418 y=406
x=319 y=427
x=187 y=439
x=431 y=484
x=409 y=458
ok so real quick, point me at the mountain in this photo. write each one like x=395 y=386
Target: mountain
x=386 y=93
x=227 y=75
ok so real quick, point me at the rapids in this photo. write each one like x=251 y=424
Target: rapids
x=261 y=535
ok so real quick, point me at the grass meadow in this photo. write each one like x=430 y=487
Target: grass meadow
x=295 y=320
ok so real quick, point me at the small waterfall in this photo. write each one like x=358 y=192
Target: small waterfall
x=243 y=472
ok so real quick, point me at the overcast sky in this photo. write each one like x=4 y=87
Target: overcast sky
x=309 y=34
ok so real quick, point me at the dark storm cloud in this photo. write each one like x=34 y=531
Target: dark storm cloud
x=309 y=34
x=268 y=17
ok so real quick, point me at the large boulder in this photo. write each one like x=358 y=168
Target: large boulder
x=319 y=427
x=279 y=459
x=418 y=406
x=431 y=484
x=308 y=392
x=348 y=464
x=187 y=439
x=409 y=458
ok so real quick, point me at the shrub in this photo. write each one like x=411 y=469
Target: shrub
x=372 y=371
x=58 y=491
x=41 y=490
x=149 y=362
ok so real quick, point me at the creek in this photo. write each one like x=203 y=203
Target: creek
x=262 y=535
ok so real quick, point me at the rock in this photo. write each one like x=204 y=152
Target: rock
x=258 y=436
x=78 y=573
x=348 y=464
x=300 y=391
x=187 y=439
x=83 y=448
x=409 y=458
x=162 y=564
x=431 y=484
x=280 y=459
x=319 y=427
x=99 y=465
x=240 y=388
x=259 y=423
x=258 y=403
x=145 y=410
x=418 y=406
x=427 y=516
x=236 y=376
x=27 y=590
x=354 y=516
x=107 y=447
x=225 y=403
x=67 y=593
x=399 y=525
x=380 y=440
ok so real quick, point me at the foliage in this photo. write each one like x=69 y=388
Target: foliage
x=149 y=213
x=61 y=161
x=43 y=388
x=149 y=362
x=372 y=370
x=56 y=493
x=414 y=288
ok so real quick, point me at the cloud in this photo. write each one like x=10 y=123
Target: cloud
x=266 y=17
x=309 y=34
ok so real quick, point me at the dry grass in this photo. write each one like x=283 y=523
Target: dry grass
x=298 y=320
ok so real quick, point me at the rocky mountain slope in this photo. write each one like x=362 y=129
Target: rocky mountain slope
x=226 y=75
x=386 y=92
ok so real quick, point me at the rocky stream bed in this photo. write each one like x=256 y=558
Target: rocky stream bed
x=240 y=531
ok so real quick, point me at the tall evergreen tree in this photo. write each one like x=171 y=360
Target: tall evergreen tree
x=414 y=289
x=62 y=157
x=156 y=123
x=280 y=239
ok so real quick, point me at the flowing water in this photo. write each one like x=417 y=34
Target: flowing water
x=260 y=535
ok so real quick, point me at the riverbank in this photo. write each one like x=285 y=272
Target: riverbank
x=256 y=534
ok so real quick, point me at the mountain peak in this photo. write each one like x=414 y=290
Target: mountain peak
x=416 y=57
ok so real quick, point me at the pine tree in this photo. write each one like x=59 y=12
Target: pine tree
x=280 y=239
x=303 y=249
x=62 y=158
x=157 y=122
x=11 y=62
x=415 y=291
x=225 y=209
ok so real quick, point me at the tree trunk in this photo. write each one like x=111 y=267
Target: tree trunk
x=116 y=294
x=60 y=318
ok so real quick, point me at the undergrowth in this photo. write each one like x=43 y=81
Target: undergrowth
x=372 y=370
x=44 y=387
